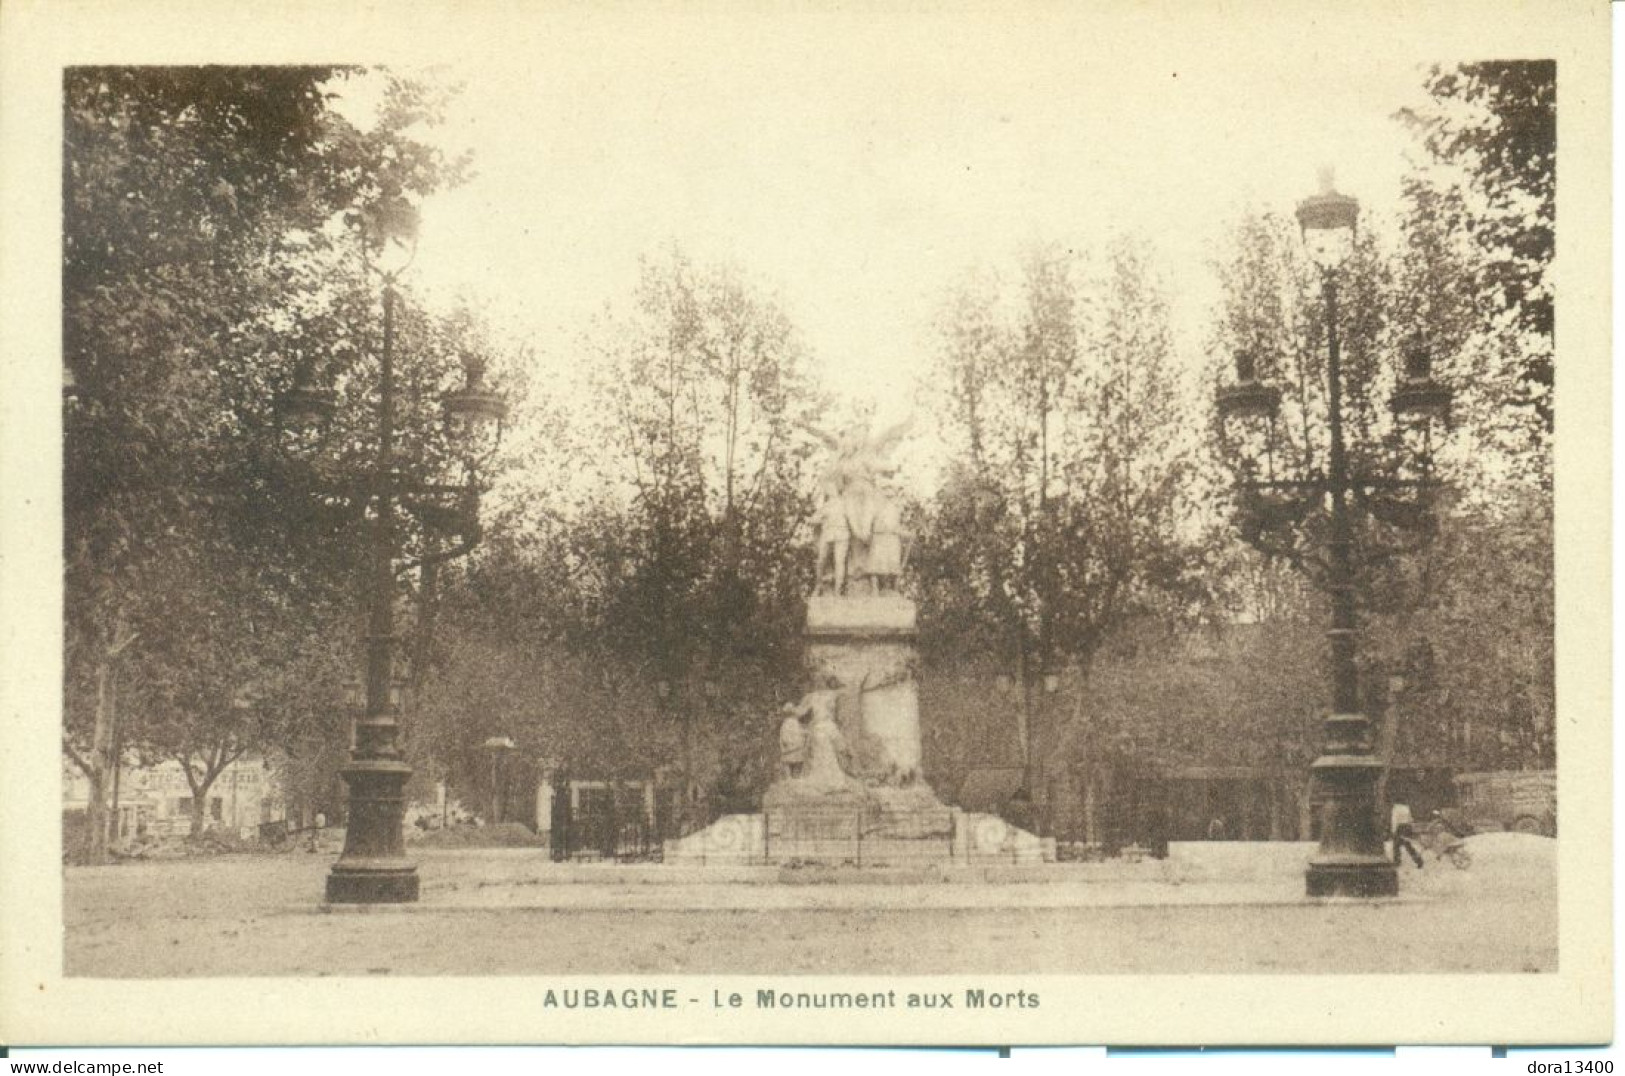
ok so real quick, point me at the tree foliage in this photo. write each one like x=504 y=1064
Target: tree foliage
x=706 y=404
x=210 y=262
x=1489 y=173
x=1271 y=321
x=646 y=603
x=1062 y=505
x=1478 y=644
x=1474 y=640
x=1064 y=510
x=1461 y=277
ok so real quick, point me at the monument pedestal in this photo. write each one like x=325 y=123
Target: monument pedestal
x=880 y=811
x=863 y=648
x=947 y=837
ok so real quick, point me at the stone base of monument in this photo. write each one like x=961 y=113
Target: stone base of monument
x=859 y=799
x=862 y=830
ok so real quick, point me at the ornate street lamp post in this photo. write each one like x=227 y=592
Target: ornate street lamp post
x=1350 y=861
x=373 y=868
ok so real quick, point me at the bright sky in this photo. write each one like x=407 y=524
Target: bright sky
x=856 y=166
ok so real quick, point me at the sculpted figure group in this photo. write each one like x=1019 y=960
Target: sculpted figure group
x=811 y=747
x=860 y=532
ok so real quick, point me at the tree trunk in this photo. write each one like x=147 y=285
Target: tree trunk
x=1306 y=810
x=102 y=739
x=1091 y=823
x=1023 y=721
x=95 y=850
x=1387 y=740
x=116 y=835
x=200 y=791
x=423 y=638
x=1111 y=836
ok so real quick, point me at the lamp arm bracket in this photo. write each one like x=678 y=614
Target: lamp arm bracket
x=442 y=488
x=1287 y=550
x=1315 y=485
x=1317 y=570
x=461 y=549
x=1374 y=483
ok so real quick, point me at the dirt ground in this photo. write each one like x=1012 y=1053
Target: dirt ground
x=1236 y=908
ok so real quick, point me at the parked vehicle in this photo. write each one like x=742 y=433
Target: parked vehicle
x=1524 y=801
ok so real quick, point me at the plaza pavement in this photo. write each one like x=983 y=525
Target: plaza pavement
x=1230 y=907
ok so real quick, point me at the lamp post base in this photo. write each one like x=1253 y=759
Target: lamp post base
x=381 y=884
x=1350 y=862
x=1351 y=876
x=373 y=868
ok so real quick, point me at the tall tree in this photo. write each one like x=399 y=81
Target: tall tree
x=647 y=597
x=1062 y=506
x=1423 y=563
x=205 y=254
x=1482 y=192
x=246 y=669
x=706 y=403
x=174 y=181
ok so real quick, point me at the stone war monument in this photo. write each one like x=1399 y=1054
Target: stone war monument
x=849 y=789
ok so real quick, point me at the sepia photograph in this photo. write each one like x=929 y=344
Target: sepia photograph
x=791 y=523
